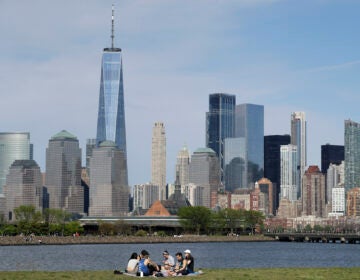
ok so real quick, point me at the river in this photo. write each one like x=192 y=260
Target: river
x=207 y=255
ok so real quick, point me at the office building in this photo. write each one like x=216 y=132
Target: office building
x=334 y=179
x=13 y=146
x=249 y=124
x=338 y=201
x=220 y=124
x=352 y=155
x=109 y=192
x=183 y=165
x=331 y=154
x=90 y=145
x=298 y=138
x=288 y=172
x=63 y=173
x=23 y=187
x=111 y=113
x=145 y=195
x=205 y=172
x=313 y=193
x=158 y=159
x=266 y=188
x=272 y=145
x=235 y=167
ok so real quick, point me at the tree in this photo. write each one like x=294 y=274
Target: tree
x=230 y=218
x=254 y=218
x=195 y=218
x=27 y=218
x=73 y=227
x=56 y=220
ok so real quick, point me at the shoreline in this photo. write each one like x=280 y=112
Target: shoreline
x=77 y=240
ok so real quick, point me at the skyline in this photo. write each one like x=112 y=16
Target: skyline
x=286 y=56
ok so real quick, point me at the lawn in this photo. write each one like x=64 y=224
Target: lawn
x=240 y=273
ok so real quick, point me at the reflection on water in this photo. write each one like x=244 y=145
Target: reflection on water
x=207 y=255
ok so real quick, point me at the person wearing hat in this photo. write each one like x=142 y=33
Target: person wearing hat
x=189 y=259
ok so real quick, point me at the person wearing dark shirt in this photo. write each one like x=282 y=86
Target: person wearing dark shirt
x=189 y=259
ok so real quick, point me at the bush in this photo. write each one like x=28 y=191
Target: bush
x=141 y=233
x=161 y=233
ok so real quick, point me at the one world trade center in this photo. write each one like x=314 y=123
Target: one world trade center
x=111 y=114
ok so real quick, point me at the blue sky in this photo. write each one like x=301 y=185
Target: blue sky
x=286 y=55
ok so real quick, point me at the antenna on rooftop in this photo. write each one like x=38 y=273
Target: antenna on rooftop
x=112 y=27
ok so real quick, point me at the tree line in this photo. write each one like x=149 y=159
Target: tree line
x=193 y=220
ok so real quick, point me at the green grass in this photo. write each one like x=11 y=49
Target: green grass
x=240 y=273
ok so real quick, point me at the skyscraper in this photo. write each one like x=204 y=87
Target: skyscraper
x=111 y=114
x=182 y=166
x=109 y=192
x=249 y=123
x=235 y=164
x=288 y=172
x=298 y=138
x=63 y=173
x=220 y=124
x=272 y=145
x=313 y=192
x=331 y=154
x=158 y=159
x=352 y=155
x=23 y=187
x=13 y=146
x=205 y=173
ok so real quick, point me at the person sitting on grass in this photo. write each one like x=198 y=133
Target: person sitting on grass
x=146 y=266
x=132 y=266
x=180 y=267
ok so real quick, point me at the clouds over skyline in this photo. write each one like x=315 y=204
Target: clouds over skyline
x=286 y=56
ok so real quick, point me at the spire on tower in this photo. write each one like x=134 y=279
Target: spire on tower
x=112 y=27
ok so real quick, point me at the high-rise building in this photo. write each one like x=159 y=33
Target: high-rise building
x=272 y=145
x=235 y=167
x=158 y=159
x=267 y=188
x=111 y=114
x=13 y=146
x=313 y=193
x=338 y=201
x=23 y=187
x=205 y=172
x=288 y=172
x=90 y=145
x=109 y=192
x=352 y=155
x=331 y=154
x=353 y=202
x=145 y=195
x=298 y=138
x=63 y=173
x=220 y=124
x=183 y=165
x=334 y=179
x=249 y=123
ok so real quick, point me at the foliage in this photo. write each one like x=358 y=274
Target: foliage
x=122 y=228
x=229 y=219
x=141 y=233
x=56 y=220
x=195 y=219
x=308 y=228
x=73 y=227
x=27 y=218
x=254 y=218
x=161 y=233
x=10 y=230
x=106 y=228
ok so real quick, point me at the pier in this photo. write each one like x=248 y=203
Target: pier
x=350 y=238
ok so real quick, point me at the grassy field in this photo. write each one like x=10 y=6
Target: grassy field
x=268 y=274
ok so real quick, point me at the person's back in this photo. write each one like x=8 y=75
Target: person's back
x=189 y=262
x=133 y=263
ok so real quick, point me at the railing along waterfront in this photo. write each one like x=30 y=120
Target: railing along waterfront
x=351 y=238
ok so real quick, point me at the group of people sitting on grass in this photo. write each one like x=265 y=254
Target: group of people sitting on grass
x=142 y=265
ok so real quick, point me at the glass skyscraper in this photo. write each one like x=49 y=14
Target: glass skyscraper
x=13 y=146
x=111 y=114
x=352 y=155
x=250 y=125
x=220 y=123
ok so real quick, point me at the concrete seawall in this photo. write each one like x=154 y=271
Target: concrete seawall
x=59 y=240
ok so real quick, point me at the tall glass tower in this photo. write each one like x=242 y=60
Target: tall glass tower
x=249 y=119
x=220 y=123
x=111 y=114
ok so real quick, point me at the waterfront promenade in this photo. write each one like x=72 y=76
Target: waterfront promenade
x=351 y=238
x=59 y=240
